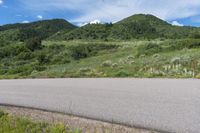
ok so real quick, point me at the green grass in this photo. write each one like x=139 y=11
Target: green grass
x=10 y=124
x=155 y=58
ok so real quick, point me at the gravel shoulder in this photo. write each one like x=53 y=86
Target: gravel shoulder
x=86 y=125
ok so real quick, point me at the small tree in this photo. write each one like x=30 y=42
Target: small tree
x=34 y=44
x=195 y=35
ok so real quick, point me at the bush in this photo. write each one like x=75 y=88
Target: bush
x=86 y=50
x=122 y=74
x=34 y=44
x=80 y=51
x=181 y=44
x=195 y=35
x=2 y=113
x=25 y=56
x=149 y=49
x=43 y=58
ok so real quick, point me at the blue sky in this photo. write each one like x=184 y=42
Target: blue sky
x=178 y=12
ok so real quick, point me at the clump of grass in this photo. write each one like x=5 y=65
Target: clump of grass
x=114 y=65
x=122 y=74
x=175 y=60
x=130 y=57
x=10 y=124
x=86 y=69
x=107 y=63
x=156 y=55
x=198 y=76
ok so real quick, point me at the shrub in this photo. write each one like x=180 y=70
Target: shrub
x=86 y=50
x=149 y=49
x=195 y=35
x=122 y=74
x=80 y=51
x=194 y=45
x=39 y=68
x=176 y=60
x=43 y=58
x=114 y=65
x=34 y=44
x=2 y=113
x=25 y=56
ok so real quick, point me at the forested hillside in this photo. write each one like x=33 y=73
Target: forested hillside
x=40 y=29
x=138 y=26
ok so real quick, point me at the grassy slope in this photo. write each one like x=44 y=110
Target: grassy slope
x=125 y=62
x=169 y=58
x=10 y=124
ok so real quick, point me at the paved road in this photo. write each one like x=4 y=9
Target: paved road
x=164 y=104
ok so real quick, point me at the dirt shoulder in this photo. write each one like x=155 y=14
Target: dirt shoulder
x=86 y=125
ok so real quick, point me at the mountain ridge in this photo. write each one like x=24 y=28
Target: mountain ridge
x=138 y=26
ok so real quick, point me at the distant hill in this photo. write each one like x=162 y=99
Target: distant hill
x=42 y=29
x=139 y=26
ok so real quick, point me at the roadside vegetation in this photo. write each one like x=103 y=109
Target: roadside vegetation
x=50 y=59
x=11 y=124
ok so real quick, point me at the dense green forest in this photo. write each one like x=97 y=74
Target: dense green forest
x=138 y=46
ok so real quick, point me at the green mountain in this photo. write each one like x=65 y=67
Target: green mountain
x=138 y=26
x=141 y=26
x=42 y=29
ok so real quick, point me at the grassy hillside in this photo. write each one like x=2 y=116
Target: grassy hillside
x=177 y=58
x=41 y=29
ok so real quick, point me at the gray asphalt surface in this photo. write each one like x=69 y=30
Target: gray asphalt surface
x=170 y=105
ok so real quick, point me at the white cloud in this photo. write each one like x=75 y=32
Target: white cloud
x=115 y=10
x=176 y=23
x=1 y=2
x=25 y=22
x=95 y=21
x=91 y=22
x=40 y=17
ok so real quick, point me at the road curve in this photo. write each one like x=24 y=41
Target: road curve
x=171 y=105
